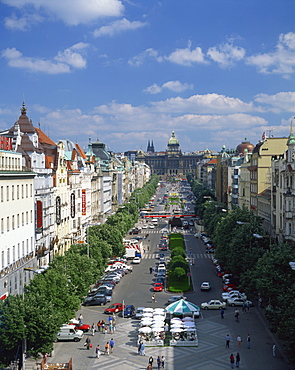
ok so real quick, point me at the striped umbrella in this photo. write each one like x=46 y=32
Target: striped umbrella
x=182 y=307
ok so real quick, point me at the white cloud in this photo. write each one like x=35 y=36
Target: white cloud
x=72 y=58
x=72 y=12
x=209 y=103
x=280 y=102
x=23 y=23
x=226 y=54
x=187 y=57
x=280 y=61
x=175 y=86
x=140 y=58
x=117 y=27
x=61 y=63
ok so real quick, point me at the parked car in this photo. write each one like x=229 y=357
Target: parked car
x=139 y=312
x=68 y=332
x=114 y=308
x=98 y=299
x=128 y=311
x=158 y=287
x=151 y=226
x=175 y=298
x=238 y=301
x=233 y=293
x=213 y=304
x=84 y=327
x=134 y=232
x=136 y=260
x=160 y=280
x=229 y=287
x=205 y=285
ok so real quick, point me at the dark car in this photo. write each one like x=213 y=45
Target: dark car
x=134 y=232
x=129 y=311
x=98 y=299
x=160 y=280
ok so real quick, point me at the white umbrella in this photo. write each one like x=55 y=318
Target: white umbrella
x=176 y=330
x=158 y=309
x=187 y=319
x=147 y=309
x=190 y=329
x=157 y=328
x=145 y=329
x=189 y=323
x=175 y=319
x=147 y=314
x=146 y=323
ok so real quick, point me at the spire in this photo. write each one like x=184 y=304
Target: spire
x=152 y=147
x=23 y=109
x=291 y=138
x=148 y=149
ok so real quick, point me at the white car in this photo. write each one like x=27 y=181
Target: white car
x=175 y=298
x=205 y=285
x=214 y=304
x=136 y=260
x=144 y=226
x=237 y=301
x=232 y=294
x=151 y=226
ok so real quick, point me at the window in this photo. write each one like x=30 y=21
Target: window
x=27 y=217
x=17 y=220
x=12 y=192
x=18 y=250
x=7 y=193
x=23 y=218
x=8 y=256
x=23 y=248
x=13 y=226
x=27 y=246
x=27 y=191
x=22 y=192
x=2 y=259
x=31 y=190
x=7 y=224
x=2 y=193
x=31 y=216
x=17 y=192
x=2 y=225
x=13 y=253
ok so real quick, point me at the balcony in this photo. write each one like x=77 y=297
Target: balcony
x=289 y=215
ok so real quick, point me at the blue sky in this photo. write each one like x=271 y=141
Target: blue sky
x=125 y=72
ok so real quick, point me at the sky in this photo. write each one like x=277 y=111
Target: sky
x=129 y=71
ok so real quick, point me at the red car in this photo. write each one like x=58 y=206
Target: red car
x=115 y=307
x=84 y=327
x=229 y=287
x=158 y=287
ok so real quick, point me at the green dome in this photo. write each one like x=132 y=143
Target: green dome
x=173 y=139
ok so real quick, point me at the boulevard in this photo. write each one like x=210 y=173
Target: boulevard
x=211 y=354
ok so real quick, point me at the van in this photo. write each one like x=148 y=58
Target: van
x=68 y=332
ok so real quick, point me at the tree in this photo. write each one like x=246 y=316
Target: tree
x=179 y=272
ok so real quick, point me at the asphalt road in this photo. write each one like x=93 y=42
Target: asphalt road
x=211 y=354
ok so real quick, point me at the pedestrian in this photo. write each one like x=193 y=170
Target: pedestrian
x=260 y=302
x=222 y=313
x=106 y=329
x=159 y=362
x=232 y=361
x=87 y=343
x=237 y=313
x=80 y=319
x=238 y=359
x=98 y=325
x=163 y=361
x=227 y=340
x=110 y=318
x=244 y=307
x=97 y=351
x=151 y=360
x=114 y=328
x=142 y=349
x=239 y=340
x=248 y=307
x=151 y=270
x=111 y=327
x=93 y=329
x=149 y=367
x=248 y=341
x=102 y=325
x=154 y=298
x=139 y=347
x=274 y=348
x=112 y=344
x=107 y=349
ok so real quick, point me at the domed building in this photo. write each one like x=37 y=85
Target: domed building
x=171 y=162
x=244 y=145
